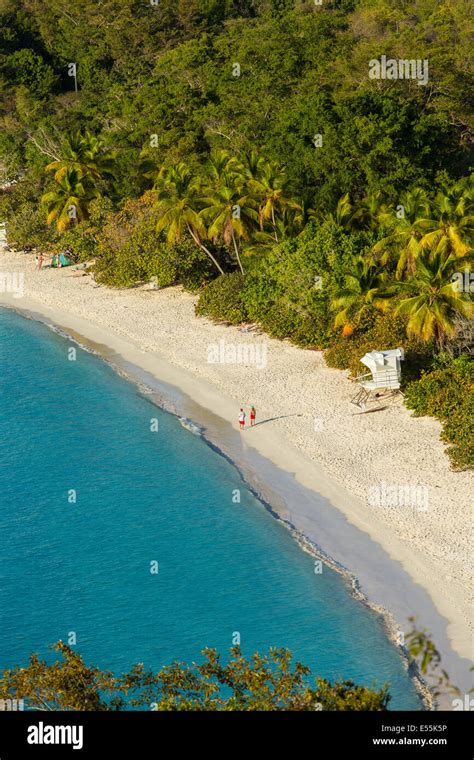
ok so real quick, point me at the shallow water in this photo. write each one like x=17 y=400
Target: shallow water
x=145 y=496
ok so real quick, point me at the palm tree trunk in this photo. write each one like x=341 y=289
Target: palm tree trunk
x=237 y=252
x=439 y=337
x=274 y=224
x=203 y=248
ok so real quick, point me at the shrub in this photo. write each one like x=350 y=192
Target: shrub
x=27 y=68
x=312 y=332
x=289 y=289
x=137 y=262
x=82 y=239
x=27 y=228
x=11 y=147
x=79 y=241
x=130 y=251
x=447 y=393
x=193 y=267
x=378 y=331
x=459 y=430
x=222 y=299
x=26 y=220
x=439 y=391
x=280 y=320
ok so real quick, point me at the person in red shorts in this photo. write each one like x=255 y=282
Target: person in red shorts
x=253 y=414
x=241 y=419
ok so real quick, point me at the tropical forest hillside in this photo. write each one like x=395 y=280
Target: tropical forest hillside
x=305 y=165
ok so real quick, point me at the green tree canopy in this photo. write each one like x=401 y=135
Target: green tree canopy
x=263 y=682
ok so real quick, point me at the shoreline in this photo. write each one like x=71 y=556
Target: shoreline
x=171 y=401
x=387 y=573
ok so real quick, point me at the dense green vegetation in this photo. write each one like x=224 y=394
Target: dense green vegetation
x=240 y=148
x=263 y=682
x=273 y=681
x=445 y=392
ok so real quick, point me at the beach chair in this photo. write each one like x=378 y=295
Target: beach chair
x=383 y=381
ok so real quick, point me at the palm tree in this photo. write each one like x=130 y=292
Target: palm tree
x=229 y=211
x=229 y=216
x=151 y=166
x=85 y=153
x=404 y=235
x=343 y=214
x=223 y=163
x=368 y=212
x=177 y=205
x=432 y=302
x=253 y=163
x=365 y=289
x=72 y=191
x=269 y=186
x=288 y=225
x=452 y=221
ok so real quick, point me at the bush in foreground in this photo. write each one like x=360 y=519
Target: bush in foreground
x=265 y=682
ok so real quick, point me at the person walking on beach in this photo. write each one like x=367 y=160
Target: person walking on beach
x=253 y=414
x=40 y=261
x=241 y=419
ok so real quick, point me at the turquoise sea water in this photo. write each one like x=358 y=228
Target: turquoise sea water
x=146 y=496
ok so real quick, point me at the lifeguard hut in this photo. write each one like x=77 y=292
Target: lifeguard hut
x=384 y=378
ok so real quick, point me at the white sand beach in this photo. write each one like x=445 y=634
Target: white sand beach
x=312 y=431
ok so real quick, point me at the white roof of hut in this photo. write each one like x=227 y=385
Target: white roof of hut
x=385 y=367
x=377 y=360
